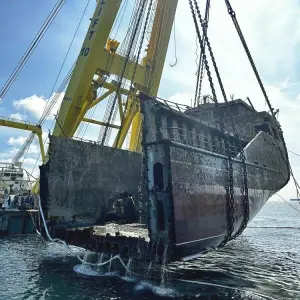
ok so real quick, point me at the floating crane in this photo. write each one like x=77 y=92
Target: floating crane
x=91 y=68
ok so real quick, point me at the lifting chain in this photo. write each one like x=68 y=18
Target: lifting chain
x=124 y=68
x=230 y=187
x=204 y=28
x=213 y=91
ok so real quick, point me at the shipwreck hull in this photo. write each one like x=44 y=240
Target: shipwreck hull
x=199 y=197
x=82 y=179
x=187 y=180
x=181 y=197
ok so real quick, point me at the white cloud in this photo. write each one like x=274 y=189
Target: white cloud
x=19 y=141
x=35 y=105
x=274 y=49
x=18 y=116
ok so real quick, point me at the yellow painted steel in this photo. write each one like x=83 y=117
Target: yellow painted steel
x=132 y=108
x=98 y=53
x=101 y=98
x=136 y=133
x=25 y=126
x=97 y=57
x=154 y=63
x=114 y=63
x=120 y=103
x=100 y=123
x=86 y=65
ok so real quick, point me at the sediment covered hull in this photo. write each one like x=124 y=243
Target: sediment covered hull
x=187 y=180
x=82 y=179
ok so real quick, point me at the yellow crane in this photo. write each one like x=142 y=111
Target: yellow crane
x=91 y=69
x=13 y=123
x=96 y=50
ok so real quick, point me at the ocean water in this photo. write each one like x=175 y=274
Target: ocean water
x=263 y=263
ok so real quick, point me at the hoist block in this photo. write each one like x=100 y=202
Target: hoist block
x=112 y=45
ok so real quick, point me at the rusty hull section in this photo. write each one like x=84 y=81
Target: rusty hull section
x=187 y=174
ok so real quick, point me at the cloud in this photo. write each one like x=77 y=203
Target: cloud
x=274 y=50
x=18 y=116
x=35 y=105
x=19 y=141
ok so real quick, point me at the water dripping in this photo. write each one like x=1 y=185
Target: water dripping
x=109 y=267
x=156 y=253
x=149 y=270
x=87 y=257
x=128 y=272
x=163 y=266
x=101 y=258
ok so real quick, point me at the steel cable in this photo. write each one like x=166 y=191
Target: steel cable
x=31 y=48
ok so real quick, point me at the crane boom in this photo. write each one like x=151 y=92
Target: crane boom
x=92 y=61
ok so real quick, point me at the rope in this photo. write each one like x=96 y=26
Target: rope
x=56 y=240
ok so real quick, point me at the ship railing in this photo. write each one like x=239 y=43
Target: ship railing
x=173 y=105
x=201 y=141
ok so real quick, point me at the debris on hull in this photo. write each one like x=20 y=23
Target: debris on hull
x=184 y=167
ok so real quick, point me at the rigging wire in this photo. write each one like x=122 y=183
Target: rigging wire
x=288 y=203
x=123 y=50
x=133 y=40
x=243 y=41
x=136 y=64
x=294 y=153
x=200 y=72
x=68 y=51
x=122 y=16
x=51 y=103
x=31 y=48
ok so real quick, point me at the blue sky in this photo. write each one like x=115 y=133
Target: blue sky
x=271 y=28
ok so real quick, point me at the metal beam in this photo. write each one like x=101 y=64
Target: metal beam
x=120 y=106
x=102 y=97
x=85 y=68
x=132 y=108
x=116 y=61
x=100 y=123
x=112 y=86
x=13 y=123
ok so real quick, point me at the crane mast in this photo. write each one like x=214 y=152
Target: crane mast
x=91 y=67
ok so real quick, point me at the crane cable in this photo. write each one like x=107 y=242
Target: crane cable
x=51 y=103
x=31 y=48
x=135 y=66
x=244 y=43
x=229 y=187
x=132 y=40
x=200 y=71
x=123 y=50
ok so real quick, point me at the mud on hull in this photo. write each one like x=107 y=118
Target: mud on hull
x=187 y=174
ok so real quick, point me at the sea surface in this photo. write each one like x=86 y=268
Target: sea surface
x=263 y=263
